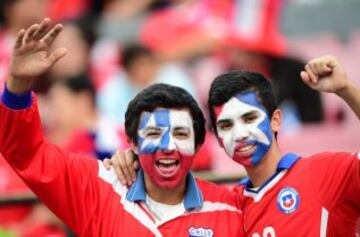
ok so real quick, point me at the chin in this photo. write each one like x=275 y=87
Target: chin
x=168 y=184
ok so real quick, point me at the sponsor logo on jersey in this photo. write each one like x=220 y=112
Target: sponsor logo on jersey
x=200 y=232
x=288 y=200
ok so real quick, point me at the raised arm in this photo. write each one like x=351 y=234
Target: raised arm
x=326 y=74
x=65 y=182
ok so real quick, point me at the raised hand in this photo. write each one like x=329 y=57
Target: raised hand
x=31 y=55
x=124 y=165
x=325 y=74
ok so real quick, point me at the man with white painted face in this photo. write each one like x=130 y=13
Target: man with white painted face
x=166 y=127
x=285 y=194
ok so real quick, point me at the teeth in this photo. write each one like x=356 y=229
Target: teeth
x=245 y=148
x=167 y=162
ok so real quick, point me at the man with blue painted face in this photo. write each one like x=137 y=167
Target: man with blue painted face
x=286 y=194
x=166 y=127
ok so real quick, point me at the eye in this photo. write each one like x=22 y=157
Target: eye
x=152 y=134
x=249 y=118
x=181 y=134
x=225 y=125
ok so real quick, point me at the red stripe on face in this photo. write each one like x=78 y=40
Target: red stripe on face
x=218 y=110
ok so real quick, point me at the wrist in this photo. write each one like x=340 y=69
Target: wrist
x=18 y=85
x=345 y=91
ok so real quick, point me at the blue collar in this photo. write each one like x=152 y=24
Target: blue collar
x=193 y=197
x=286 y=162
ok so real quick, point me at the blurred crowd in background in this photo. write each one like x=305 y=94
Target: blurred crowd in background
x=118 y=47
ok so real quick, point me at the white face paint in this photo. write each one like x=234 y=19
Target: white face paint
x=244 y=129
x=166 y=129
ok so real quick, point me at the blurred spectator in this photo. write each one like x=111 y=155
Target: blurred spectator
x=74 y=122
x=140 y=69
x=186 y=29
x=120 y=20
x=78 y=37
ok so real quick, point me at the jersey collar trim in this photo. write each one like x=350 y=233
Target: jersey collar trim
x=193 y=197
x=286 y=162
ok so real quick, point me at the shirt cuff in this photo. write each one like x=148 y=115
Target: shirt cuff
x=15 y=101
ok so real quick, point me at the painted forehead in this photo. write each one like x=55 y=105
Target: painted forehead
x=245 y=101
x=166 y=118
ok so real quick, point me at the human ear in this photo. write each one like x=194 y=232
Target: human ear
x=276 y=120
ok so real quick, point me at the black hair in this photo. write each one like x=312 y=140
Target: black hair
x=231 y=83
x=132 y=52
x=166 y=96
x=78 y=84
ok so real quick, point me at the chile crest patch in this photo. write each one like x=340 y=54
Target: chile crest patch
x=288 y=200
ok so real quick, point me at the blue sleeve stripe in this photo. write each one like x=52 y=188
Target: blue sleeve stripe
x=15 y=101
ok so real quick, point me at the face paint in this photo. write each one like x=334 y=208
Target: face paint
x=166 y=146
x=244 y=129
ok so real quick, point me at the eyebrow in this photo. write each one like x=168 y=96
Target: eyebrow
x=152 y=128
x=179 y=128
x=223 y=121
x=253 y=112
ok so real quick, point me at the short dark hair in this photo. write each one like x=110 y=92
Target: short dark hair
x=166 y=96
x=132 y=52
x=231 y=83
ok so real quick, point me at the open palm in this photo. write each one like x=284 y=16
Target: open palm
x=31 y=55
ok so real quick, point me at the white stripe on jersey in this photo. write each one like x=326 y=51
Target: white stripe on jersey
x=257 y=196
x=216 y=206
x=324 y=222
x=134 y=209
x=358 y=155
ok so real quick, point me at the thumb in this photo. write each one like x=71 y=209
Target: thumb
x=57 y=55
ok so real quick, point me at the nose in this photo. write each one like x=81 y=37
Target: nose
x=240 y=132
x=167 y=143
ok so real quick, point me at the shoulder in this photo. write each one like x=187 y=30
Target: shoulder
x=216 y=193
x=331 y=157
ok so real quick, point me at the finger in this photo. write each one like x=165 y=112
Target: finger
x=309 y=71
x=305 y=77
x=125 y=166
x=19 y=38
x=30 y=32
x=136 y=166
x=52 y=34
x=117 y=168
x=120 y=174
x=130 y=156
x=116 y=159
x=44 y=26
x=324 y=68
x=57 y=55
x=107 y=163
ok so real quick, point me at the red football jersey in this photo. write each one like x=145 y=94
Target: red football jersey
x=90 y=199
x=313 y=196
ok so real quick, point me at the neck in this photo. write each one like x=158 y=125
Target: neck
x=170 y=196
x=267 y=166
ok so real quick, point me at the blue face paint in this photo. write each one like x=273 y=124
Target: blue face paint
x=158 y=120
x=246 y=142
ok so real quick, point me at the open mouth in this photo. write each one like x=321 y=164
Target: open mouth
x=167 y=167
x=245 y=150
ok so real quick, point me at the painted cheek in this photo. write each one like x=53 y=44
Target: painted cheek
x=149 y=166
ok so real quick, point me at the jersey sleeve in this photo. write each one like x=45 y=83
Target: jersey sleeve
x=336 y=178
x=65 y=182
